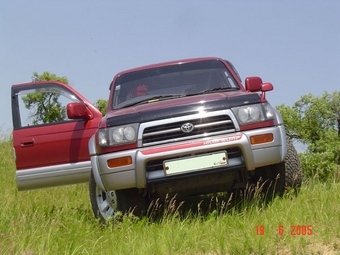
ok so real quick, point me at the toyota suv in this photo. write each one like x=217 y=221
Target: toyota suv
x=185 y=127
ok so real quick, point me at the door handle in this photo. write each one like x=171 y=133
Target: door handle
x=27 y=143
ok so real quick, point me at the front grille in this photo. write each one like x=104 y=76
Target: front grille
x=155 y=165
x=203 y=127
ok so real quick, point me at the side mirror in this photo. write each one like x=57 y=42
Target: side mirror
x=253 y=84
x=265 y=87
x=78 y=111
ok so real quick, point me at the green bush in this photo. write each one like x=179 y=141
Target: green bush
x=322 y=160
x=321 y=166
x=315 y=122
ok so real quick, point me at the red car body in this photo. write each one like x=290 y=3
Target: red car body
x=56 y=153
x=51 y=154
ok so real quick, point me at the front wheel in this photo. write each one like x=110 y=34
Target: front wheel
x=277 y=178
x=106 y=203
x=293 y=172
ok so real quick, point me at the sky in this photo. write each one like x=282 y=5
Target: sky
x=295 y=45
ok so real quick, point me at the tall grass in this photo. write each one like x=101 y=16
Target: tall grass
x=60 y=221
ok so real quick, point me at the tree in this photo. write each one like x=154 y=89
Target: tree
x=315 y=122
x=45 y=103
x=312 y=117
x=101 y=104
x=46 y=76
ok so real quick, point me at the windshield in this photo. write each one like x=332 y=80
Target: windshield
x=181 y=79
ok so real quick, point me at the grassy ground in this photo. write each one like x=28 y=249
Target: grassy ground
x=60 y=221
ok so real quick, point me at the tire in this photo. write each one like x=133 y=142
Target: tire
x=277 y=178
x=106 y=204
x=293 y=172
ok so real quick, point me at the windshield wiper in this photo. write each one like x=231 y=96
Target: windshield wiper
x=212 y=90
x=147 y=99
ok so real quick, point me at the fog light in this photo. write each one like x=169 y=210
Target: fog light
x=117 y=162
x=257 y=139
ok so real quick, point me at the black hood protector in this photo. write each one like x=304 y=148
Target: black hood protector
x=182 y=110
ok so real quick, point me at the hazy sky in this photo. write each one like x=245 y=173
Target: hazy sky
x=293 y=44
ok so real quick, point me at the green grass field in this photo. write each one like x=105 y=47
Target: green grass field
x=60 y=221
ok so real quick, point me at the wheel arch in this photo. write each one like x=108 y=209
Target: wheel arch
x=283 y=136
x=94 y=163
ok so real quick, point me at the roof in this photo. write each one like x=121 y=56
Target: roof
x=174 y=62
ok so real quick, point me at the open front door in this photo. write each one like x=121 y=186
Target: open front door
x=50 y=148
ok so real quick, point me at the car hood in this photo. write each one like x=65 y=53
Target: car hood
x=171 y=108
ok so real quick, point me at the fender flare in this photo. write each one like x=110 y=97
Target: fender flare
x=281 y=126
x=94 y=163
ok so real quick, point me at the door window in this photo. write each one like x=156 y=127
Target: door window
x=43 y=106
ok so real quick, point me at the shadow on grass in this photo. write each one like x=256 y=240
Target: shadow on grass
x=255 y=196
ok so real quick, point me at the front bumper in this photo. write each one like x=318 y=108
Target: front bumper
x=136 y=174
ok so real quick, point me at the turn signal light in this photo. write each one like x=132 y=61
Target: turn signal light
x=257 y=139
x=117 y=162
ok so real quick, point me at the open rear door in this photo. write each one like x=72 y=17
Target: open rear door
x=50 y=148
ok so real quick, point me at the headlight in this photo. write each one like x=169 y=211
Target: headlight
x=250 y=114
x=129 y=133
x=102 y=139
x=114 y=136
x=269 y=111
x=117 y=134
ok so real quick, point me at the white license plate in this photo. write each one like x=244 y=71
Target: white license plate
x=195 y=163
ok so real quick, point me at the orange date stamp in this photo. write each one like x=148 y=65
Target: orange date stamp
x=293 y=230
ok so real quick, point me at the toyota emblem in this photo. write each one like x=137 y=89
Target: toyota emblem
x=187 y=127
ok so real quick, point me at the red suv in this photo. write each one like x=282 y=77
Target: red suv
x=184 y=127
